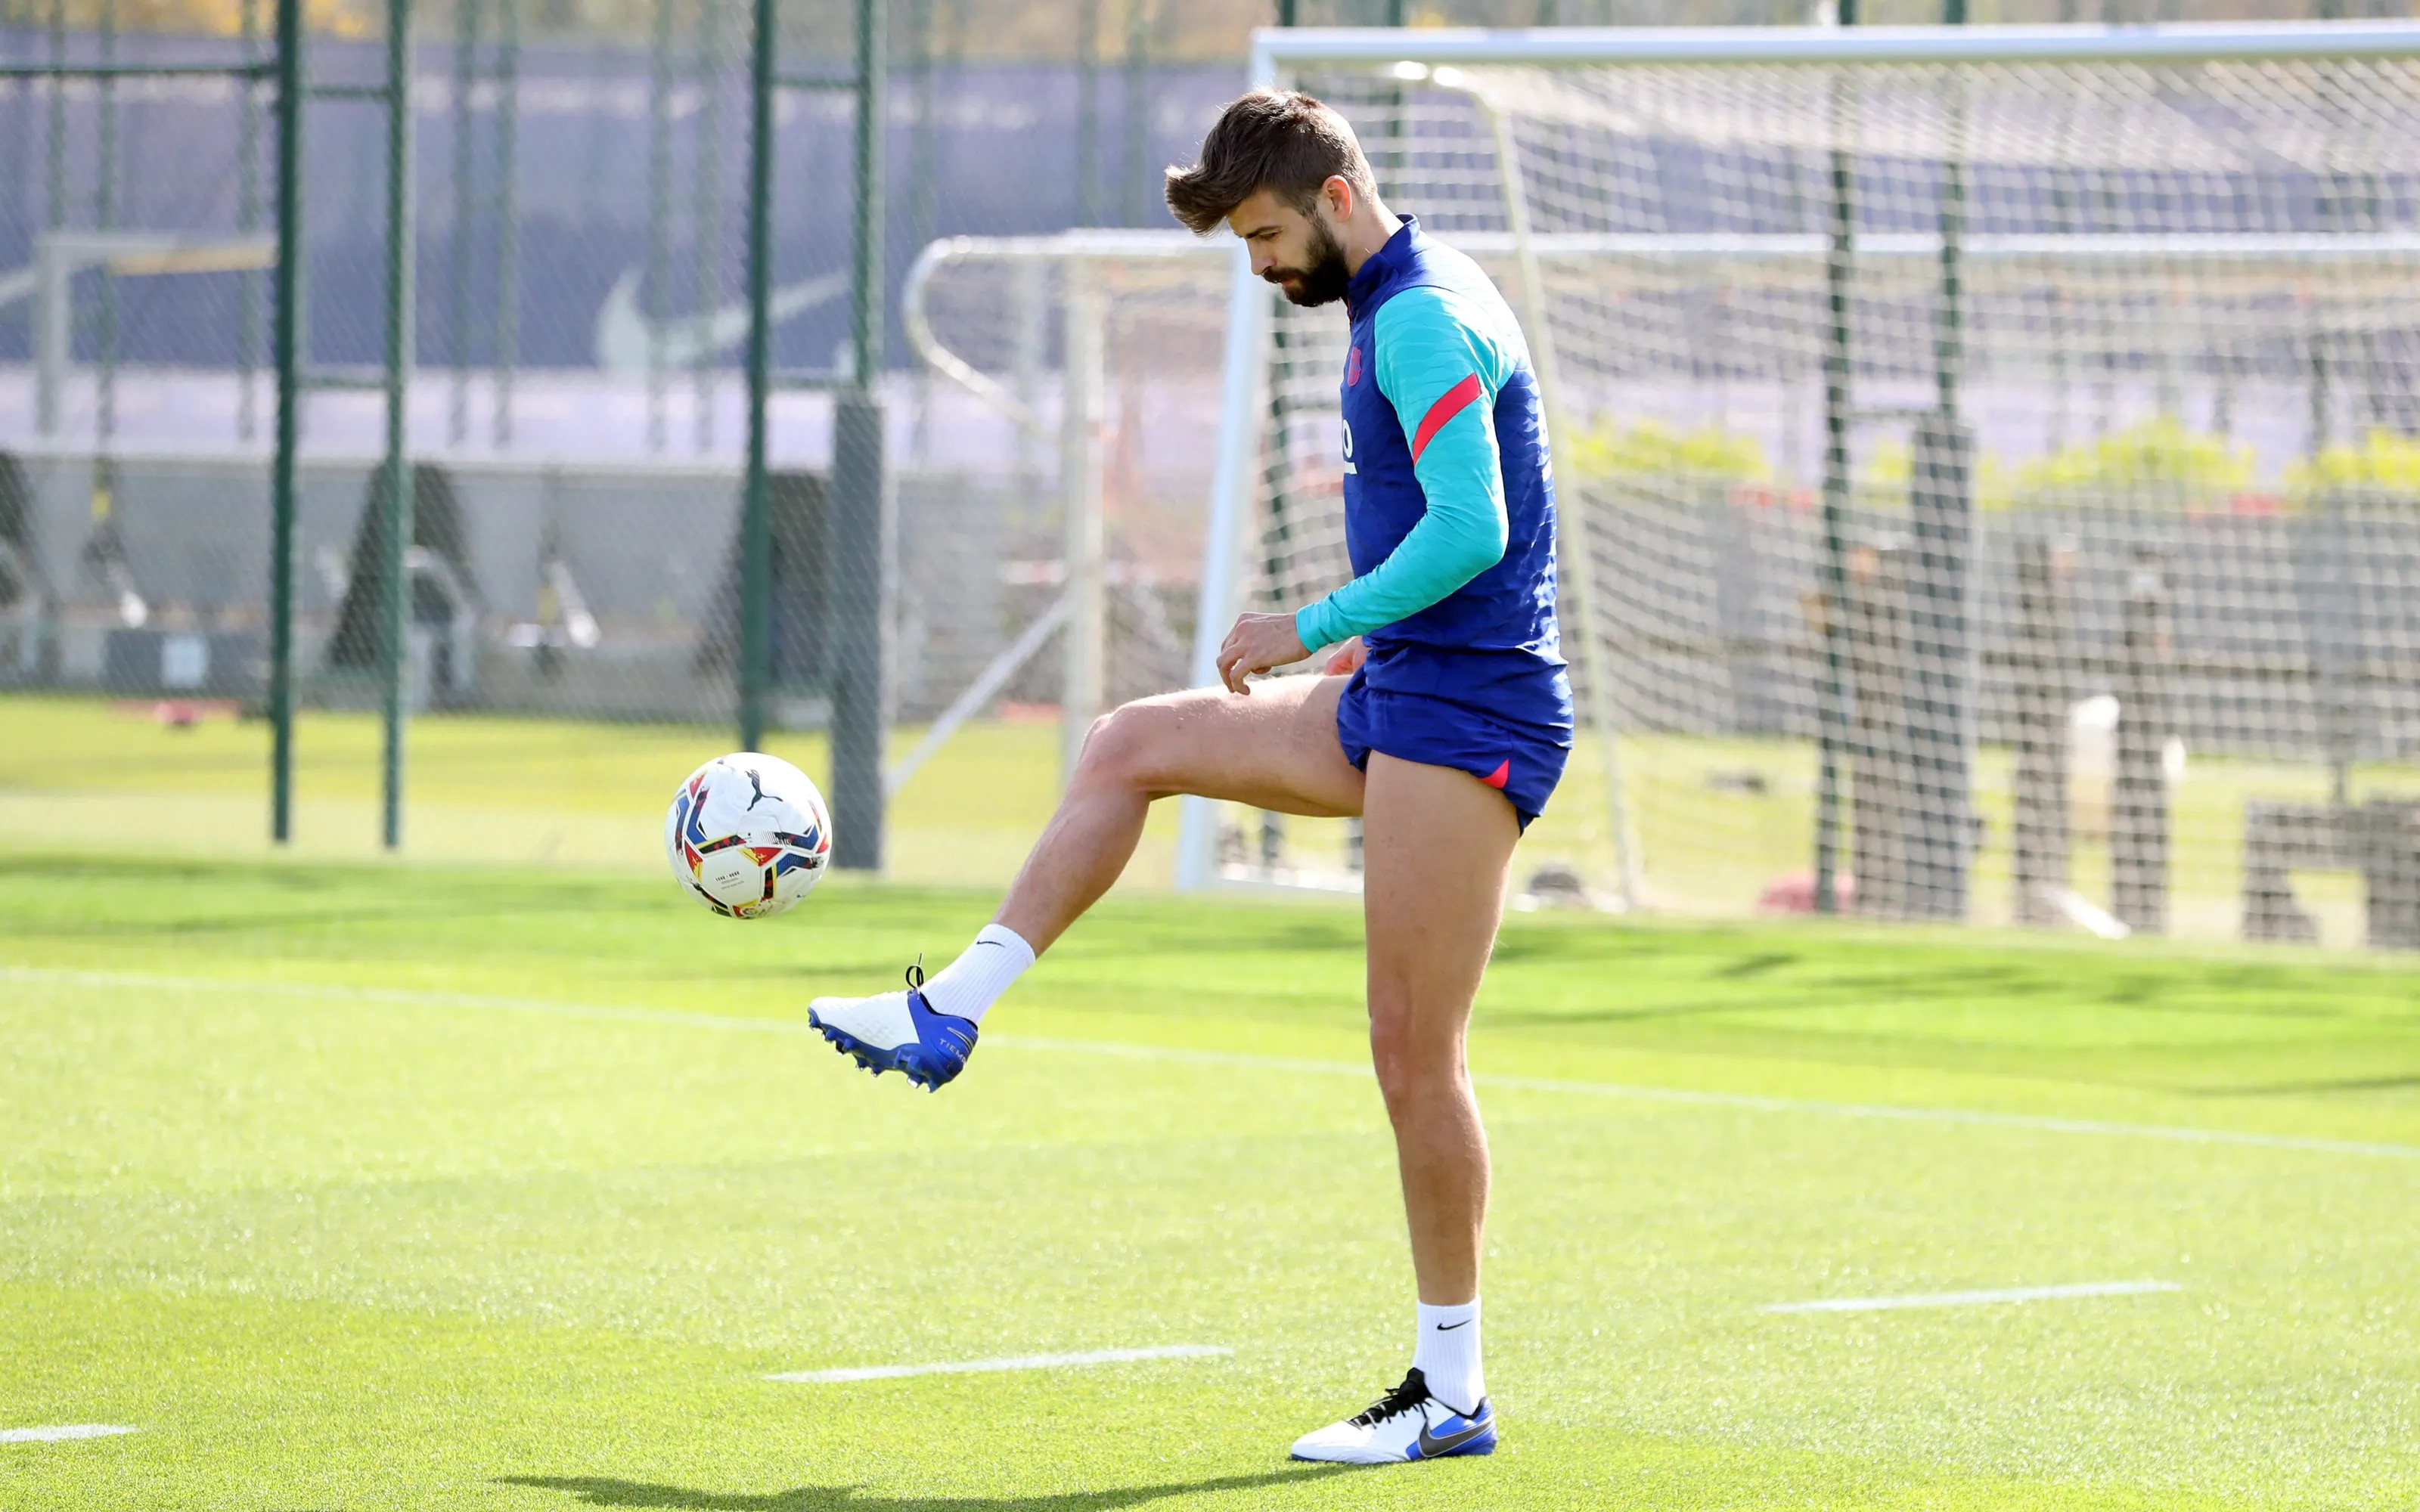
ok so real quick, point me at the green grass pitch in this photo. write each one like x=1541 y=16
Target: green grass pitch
x=384 y=1187
x=488 y=789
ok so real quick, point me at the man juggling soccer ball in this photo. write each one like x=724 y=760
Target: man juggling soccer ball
x=1443 y=718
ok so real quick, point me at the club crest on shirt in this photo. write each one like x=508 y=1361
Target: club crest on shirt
x=1352 y=366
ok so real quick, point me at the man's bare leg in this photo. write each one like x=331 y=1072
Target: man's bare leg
x=1276 y=749
x=1437 y=846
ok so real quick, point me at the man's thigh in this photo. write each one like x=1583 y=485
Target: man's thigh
x=1276 y=749
x=1436 y=847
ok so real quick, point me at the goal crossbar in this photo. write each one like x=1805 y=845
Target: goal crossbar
x=1274 y=48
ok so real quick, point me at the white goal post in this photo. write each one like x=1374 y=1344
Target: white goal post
x=1910 y=388
x=1083 y=272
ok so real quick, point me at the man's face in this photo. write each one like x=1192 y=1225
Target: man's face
x=1299 y=253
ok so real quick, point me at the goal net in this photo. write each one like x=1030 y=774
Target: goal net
x=1987 y=457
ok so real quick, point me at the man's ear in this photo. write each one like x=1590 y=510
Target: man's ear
x=1338 y=191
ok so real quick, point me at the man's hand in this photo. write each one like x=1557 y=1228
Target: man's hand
x=1348 y=658
x=1257 y=644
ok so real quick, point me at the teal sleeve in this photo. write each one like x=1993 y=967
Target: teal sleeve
x=1429 y=344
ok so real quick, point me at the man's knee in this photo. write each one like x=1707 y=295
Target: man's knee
x=1415 y=1063
x=1125 y=747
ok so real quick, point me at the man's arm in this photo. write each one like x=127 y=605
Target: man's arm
x=1442 y=376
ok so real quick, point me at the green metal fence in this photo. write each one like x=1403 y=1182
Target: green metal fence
x=374 y=629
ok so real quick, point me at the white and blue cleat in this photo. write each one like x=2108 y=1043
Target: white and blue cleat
x=897 y=1031
x=1405 y=1424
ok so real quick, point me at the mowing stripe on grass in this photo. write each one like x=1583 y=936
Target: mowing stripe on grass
x=1015 y=1362
x=62 y=1432
x=1972 y=1299
x=2040 y=1122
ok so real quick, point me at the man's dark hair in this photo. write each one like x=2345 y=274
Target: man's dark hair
x=1279 y=140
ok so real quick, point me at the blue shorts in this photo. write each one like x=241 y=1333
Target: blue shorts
x=1524 y=762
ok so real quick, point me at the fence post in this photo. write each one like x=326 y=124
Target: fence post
x=1832 y=735
x=288 y=360
x=400 y=233
x=2039 y=847
x=861 y=559
x=755 y=522
x=1873 y=621
x=1936 y=719
x=857 y=637
x=2138 y=816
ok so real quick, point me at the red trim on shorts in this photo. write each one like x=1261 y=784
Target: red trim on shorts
x=1502 y=775
x=1454 y=402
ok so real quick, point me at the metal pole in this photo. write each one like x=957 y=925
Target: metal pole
x=1936 y=721
x=1949 y=335
x=247 y=220
x=923 y=187
x=104 y=420
x=659 y=218
x=457 y=292
x=756 y=521
x=51 y=335
x=1833 y=713
x=55 y=200
x=861 y=555
x=1088 y=113
x=287 y=357
x=508 y=213
x=1391 y=161
x=394 y=647
x=1141 y=17
x=12 y=168
x=866 y=267
x=705 y=216
x=1080 y=493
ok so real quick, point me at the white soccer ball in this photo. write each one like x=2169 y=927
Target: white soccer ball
x=748 y=835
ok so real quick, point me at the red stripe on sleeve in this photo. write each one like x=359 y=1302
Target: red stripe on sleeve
x=1454 y=401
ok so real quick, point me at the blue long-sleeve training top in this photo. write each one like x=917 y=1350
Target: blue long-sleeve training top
x=1435 y=361
x=1449 y=492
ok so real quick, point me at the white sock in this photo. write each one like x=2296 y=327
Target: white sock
x=1447 y=1356
x=970 y=984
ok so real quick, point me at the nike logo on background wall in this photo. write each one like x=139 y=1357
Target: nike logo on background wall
x=627 y=341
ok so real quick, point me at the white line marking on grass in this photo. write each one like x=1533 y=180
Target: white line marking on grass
x=62 y=1432
x=1972 y=1298
x=2043 y=1124
x=1017 y=1362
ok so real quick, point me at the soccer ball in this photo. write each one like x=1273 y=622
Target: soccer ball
x=748 y=835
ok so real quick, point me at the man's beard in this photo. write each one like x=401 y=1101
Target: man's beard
x=1324 y=281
